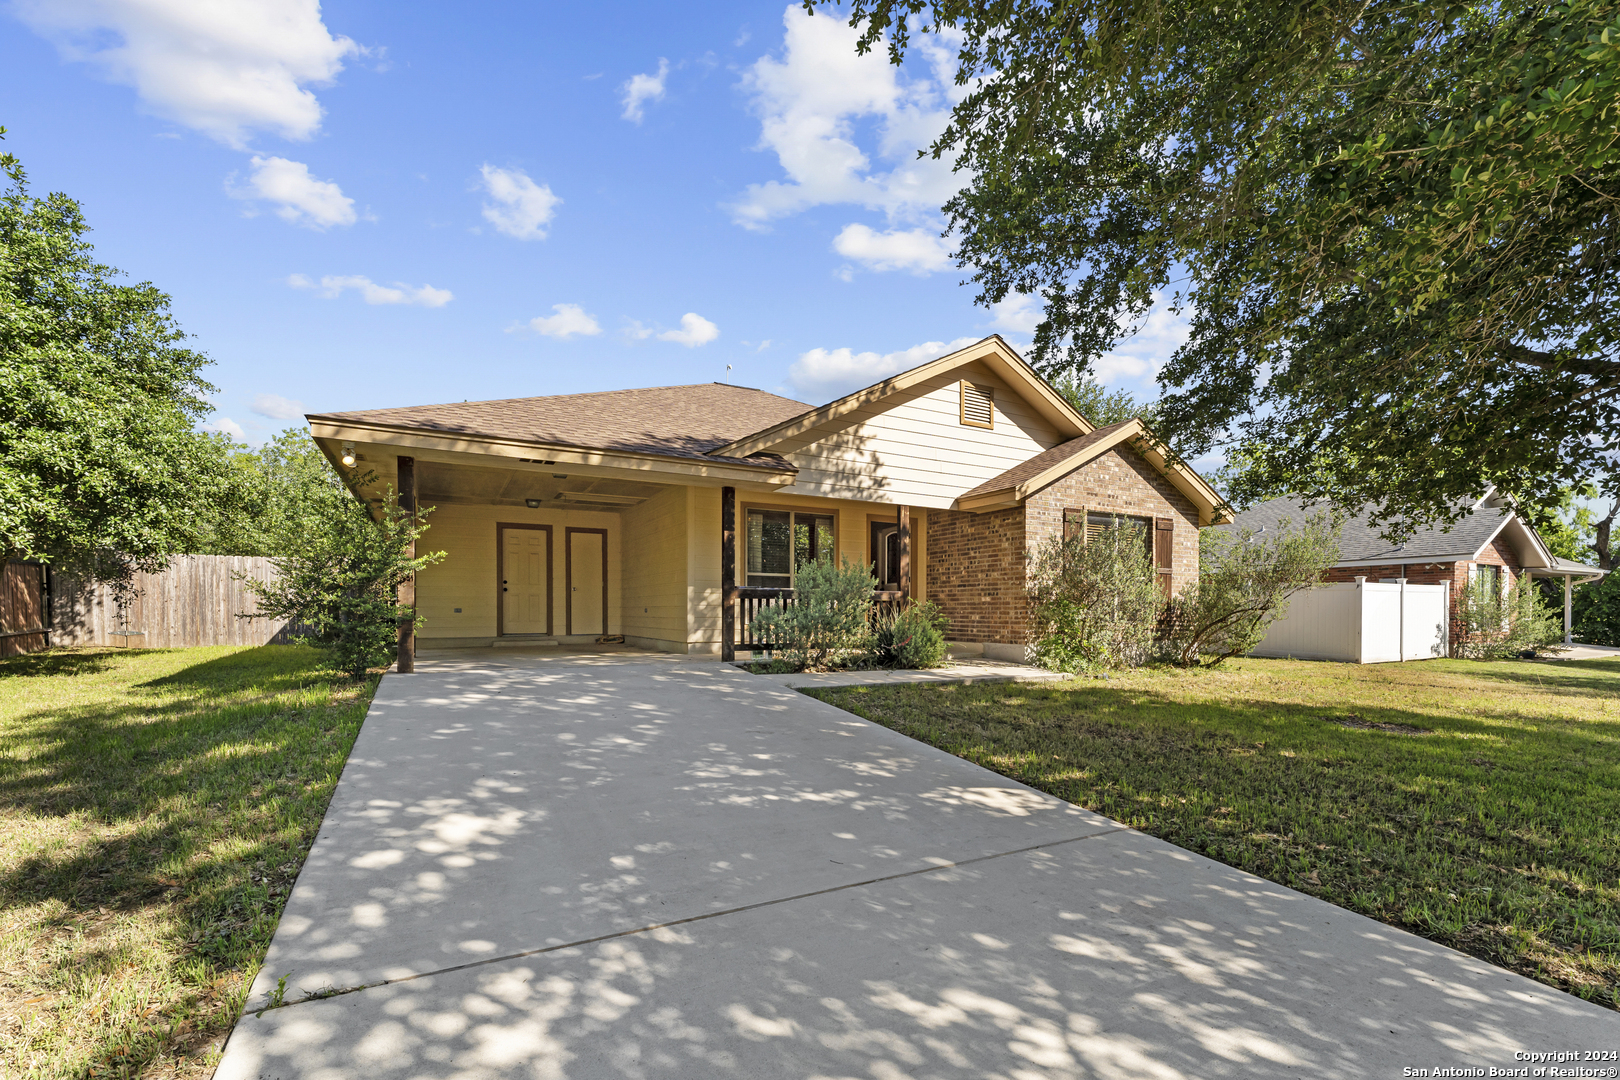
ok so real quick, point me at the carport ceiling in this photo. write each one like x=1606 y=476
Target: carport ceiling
x=440 y=483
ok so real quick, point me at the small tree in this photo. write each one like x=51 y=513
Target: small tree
x=1244 y=584
x=1495 y=623
x=341 y=581
x=828 y=621
x=1093 y=602
x=1597 y=611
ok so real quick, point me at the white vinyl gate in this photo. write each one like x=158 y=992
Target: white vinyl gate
x=1363 y=622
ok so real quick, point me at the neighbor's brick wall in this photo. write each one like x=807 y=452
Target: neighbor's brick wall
x=1120 y=482
x=976 y=562
x=975 y=573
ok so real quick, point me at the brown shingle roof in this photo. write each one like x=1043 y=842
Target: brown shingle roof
x=674 y=421
x=1028 y=470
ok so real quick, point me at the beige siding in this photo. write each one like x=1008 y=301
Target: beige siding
x=466 y=577
x=917 y=452
x=654 y=542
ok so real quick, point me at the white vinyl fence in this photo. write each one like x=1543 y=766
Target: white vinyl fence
x=1363 y=622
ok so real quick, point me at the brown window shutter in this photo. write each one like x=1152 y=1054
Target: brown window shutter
x=1164 y=534
x=1074 y=524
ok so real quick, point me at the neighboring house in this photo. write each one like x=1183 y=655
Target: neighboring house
x=1490 y=543
x=669 y=514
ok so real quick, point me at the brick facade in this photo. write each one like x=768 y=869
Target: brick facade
x=976 y=562
x=1498 y=553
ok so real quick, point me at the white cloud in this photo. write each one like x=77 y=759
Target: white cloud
x=1019 y=313
x=299 y=197
x=917 y=250
x=571 y=320
x=521 y=208
x=223 y=68
x=399 y=293
x=695 y=330
x=642 y=89
x=832 y=373
x=1141 y=355
x=277 y=407
x=809 y=103
x=224 y=425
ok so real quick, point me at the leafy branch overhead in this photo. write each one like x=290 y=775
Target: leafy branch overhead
x=1393 y=223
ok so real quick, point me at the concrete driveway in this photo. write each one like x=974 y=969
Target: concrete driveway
x=634 y=866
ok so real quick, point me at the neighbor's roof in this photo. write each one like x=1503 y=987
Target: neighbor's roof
x=675 y=421
x=1046 y=459
x=1359 y=541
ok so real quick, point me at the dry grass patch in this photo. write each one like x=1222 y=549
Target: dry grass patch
x=155 y=807
x=1476 y=804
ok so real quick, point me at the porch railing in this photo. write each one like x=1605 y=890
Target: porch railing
x=751 y=600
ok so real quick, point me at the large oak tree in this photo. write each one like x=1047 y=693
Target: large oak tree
x=1393 y=224
x=101 y=469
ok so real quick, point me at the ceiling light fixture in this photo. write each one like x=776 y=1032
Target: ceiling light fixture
x=532 y=504
x=349 y=456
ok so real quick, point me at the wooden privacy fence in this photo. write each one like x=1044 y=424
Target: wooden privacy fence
x=196 y=601
x=22 y=608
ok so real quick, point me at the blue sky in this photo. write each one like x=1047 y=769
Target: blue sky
x=362 y=205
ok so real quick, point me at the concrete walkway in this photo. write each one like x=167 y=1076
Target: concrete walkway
x=631 y=866
x=954 y=671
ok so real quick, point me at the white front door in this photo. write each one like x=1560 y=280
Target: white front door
x=587 y=581
x=526 y=581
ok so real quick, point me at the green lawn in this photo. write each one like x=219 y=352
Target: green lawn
x=1484 y=814
x=155 y=806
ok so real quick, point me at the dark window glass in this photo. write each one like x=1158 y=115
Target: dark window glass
x=770 y=549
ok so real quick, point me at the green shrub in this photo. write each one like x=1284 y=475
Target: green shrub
x=1495 y=623
x=1093 y=603
x=829 y=620
x=1244 y=583
x=341 y=583
x=1596 y=611
x=913 y=637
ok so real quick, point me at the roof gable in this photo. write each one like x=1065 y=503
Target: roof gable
x=785 y=435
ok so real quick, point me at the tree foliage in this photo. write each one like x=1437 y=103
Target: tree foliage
x=283 y=488
x=339 y=579
x=1244 y=585
x=1393 y=223
x=1100 y=405
x=1093 y=601
x=101 y=469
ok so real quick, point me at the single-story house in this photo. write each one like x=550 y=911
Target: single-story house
x=667 y=515
x=1491 y=542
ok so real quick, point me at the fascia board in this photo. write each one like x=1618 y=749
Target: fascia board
x=1212 y=509
x=992 y=350
x=469 y=450
x=1512 y=518
x=1397 y=559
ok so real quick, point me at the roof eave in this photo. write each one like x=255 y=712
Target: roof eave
x=343 y=429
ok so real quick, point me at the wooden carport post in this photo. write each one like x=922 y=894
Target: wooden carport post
x=904 y=527
x=405 y=661
x=728 y=574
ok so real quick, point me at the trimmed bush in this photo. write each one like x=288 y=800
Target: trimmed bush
x=913 y=637
x=829 y=620
x=1093 y=603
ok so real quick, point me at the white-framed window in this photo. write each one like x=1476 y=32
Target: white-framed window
x=778 y=542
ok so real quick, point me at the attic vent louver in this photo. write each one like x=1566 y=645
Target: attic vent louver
x=978 y=405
